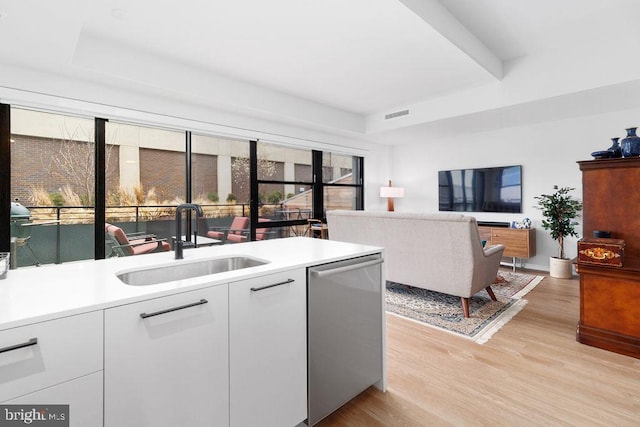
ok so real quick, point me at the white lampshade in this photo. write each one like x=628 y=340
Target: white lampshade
x=394 y=192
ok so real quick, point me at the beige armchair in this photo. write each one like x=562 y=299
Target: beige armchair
x=439 y=252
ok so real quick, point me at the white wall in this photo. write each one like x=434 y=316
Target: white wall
x=377 y=173
x=548 y=153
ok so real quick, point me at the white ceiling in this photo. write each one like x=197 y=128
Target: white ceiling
x=357 y=59
x=355 y=55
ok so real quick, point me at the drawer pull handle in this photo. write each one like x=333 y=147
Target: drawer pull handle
x=169 y=310
x=261 y=288
x=32 y=341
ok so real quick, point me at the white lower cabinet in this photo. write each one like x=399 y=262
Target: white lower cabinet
x=55 y=362
x=83 y=395
x=267 y=347
x=166 y=361
x=226 y=355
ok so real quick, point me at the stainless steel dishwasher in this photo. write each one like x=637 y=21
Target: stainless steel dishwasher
x=345 y=324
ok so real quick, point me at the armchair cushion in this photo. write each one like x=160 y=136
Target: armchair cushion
x=239 y=225
x=261 y=233
x=145 y=243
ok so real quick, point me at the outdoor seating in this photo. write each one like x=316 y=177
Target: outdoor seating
x=239 y=226
x=125 y=244
x=261 y=233
x=317 y=228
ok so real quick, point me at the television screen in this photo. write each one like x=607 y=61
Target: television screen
x=496 y=189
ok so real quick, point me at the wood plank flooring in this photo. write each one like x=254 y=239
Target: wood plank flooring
x=531 y=373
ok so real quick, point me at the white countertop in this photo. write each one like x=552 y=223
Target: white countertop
x=35 y=294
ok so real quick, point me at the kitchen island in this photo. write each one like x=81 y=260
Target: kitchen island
x=206 y=350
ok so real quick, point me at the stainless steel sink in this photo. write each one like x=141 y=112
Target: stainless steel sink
x=186 y=270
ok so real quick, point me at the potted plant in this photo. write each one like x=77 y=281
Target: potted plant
x=559 y=210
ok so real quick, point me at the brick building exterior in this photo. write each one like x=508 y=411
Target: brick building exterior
x=35 y=164
x=164 y=171
x=39 y=163
x=205 y=176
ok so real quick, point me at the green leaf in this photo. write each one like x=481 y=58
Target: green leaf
x=559 y=210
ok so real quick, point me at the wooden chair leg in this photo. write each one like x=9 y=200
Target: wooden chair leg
x=465 y=306
x=491 y=294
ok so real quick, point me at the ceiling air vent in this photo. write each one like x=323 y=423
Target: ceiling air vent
x=396 y=114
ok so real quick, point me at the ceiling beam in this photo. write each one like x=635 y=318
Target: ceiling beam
x=440 y=19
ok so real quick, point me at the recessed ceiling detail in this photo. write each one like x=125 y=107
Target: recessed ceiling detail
x=340 y=66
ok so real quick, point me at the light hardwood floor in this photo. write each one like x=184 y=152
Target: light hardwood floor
x=531 y=373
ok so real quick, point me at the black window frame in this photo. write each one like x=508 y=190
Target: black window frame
x=317 y=184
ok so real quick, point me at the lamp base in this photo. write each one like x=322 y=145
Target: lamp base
x=390 y=207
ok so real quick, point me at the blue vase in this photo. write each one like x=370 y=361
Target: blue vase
x=615 y=149
x=631 y=144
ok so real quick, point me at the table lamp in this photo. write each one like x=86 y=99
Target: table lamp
x=390 y=193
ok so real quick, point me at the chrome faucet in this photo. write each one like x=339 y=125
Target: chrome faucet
x=185 y=206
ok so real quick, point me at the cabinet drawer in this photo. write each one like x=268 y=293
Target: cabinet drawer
x=485 y=234
x=47 y=353
x=514 y=244
x=166 y=361
x=83 y=395
x=517 y=242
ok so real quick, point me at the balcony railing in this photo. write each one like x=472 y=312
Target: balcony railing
x=57 y=234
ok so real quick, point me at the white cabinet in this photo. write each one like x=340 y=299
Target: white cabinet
x=83 y=395
x=268 y=358
x=167 y=361
x=55 y=362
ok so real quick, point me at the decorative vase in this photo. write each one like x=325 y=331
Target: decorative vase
x=615 y=149
x=560 y=268
x=631 y=144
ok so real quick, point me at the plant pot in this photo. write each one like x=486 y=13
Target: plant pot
x=560 y=268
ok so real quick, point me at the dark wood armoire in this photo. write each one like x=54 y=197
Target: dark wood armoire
x=610 y=296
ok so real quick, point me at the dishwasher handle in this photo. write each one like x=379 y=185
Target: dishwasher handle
x=337 y=270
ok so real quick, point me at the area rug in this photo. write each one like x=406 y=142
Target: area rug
x=445 y=311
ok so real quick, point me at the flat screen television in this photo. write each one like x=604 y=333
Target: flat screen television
x=495 y=189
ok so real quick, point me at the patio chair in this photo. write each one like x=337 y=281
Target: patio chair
x=123 y=244
x=239 y=226
x=261 y=233
x=317 y=228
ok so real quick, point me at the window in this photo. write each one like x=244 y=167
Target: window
x=293 y=199
x=52 y=177
x=284 y=188
x=146 y=172
x=145 y=181
x=342 y=178
x=220 y=183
